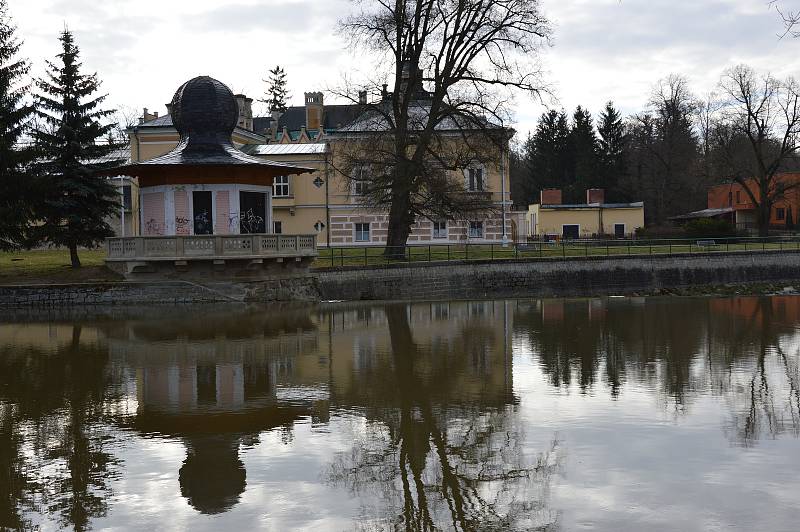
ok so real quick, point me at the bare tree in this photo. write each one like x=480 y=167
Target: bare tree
x=757 y=134
x=790 y=18
x=455 y=65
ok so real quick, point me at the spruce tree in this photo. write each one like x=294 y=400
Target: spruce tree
x=547 y=151
x=583 y=156
x=612 y=146
x=73 y=145
x=276 y=90
x=15 y=158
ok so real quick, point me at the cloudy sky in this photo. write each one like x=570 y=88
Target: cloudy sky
x=601 y=49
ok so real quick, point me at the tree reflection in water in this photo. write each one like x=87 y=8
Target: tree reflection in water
x=443 y=445
x=439 y=463
x=745 y=349
x=58 y=398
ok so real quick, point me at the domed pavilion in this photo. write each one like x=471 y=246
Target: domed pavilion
x=206 y=206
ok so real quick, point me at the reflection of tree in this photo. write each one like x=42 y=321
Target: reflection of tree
x=62 y=395
x=732 y=347
x=766 y=398
x=439 y=465
x=14 y=483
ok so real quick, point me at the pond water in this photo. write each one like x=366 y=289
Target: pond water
x=587 y=414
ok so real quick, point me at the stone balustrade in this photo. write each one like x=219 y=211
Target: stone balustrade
x=193 y=255
x=211 y=247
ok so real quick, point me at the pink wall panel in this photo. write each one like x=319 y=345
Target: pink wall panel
x=182 y=218
x=223 y=213
x=153 y=217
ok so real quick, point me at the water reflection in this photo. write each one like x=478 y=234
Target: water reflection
x=745 y=349
x=416 y=408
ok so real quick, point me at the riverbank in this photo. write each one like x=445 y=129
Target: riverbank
x=732 y=273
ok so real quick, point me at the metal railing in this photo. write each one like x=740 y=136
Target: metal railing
x=416 y=253
x=210 y=246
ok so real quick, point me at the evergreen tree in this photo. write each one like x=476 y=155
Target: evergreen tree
x=547 y=152
x=15 y=159
x=73 y=146
x=582 y=156
x=276 y=90
x=612 y=146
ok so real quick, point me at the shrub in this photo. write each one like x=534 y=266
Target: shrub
x=709 y=228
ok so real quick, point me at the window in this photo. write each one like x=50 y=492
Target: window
x=730 y=198
x=362 y=232
x=126 y=197
x=360 y=180
x=780 y=213
x=277 y=227
x=619 y=230
x=252 y=212
x=570 y=232
x=201 y=205
x=476 y=229
x=440 y=229
x=475 y=179
x=280 y=186
x=738 y=196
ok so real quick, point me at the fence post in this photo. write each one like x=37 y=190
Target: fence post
x=491 y=252
x=448 y=252
x=564 y=249
x=365 y=255
x=429 y=252
x=466 y=251
x=331 y=251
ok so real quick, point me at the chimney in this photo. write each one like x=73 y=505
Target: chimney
x=155 y=114
x=362 y=97
x=550 y=196
x=595 y=195
x=314 y=109
x=385 y=92
x=169 y=108
x=147 y=116
x=245 y=106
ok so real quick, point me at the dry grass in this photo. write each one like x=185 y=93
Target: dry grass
x=53 y=266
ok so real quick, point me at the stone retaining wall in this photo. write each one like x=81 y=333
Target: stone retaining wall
x=452 y=280
x=557 y=277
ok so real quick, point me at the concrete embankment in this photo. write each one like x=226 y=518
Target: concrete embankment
x=452 y=280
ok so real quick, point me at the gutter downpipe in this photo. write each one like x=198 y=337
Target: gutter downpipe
x=327 y=200
x=503 y=192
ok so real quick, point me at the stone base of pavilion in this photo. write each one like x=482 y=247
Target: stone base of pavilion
x=219 y=257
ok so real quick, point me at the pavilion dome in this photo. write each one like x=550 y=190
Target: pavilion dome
x=204 y=110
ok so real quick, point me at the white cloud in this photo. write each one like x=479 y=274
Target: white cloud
x=603 y=49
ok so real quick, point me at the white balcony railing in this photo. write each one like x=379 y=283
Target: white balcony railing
x=210 y=247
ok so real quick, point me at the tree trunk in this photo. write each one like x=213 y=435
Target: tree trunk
x=399 y=228
x=763 y=213
x=73 y=256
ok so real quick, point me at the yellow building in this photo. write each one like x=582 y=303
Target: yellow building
x=550 y=219
x=328 y=203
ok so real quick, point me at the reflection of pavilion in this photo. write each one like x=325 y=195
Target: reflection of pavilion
x=215 y=380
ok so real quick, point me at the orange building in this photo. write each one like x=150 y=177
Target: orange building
x=733 y=198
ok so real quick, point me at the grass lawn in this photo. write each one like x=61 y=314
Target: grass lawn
x=53 y=266
x=369 y=256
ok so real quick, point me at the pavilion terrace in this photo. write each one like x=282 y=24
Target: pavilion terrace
x=206 y=207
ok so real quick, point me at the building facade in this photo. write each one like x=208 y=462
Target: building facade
x=327 y=202
x=738 y=206
x=551 y=220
